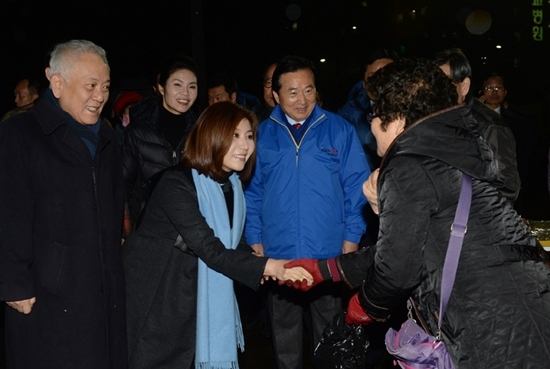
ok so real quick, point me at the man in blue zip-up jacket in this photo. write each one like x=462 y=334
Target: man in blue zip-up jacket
x=304 y=200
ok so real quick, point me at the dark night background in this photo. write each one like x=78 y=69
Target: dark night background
x=242 y=36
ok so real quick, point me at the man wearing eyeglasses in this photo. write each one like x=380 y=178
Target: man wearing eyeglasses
x=269 y=102
x=494 y=93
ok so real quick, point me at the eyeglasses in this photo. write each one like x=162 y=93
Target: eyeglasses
x=370 y=117
x=493 y=88
x=268 y=83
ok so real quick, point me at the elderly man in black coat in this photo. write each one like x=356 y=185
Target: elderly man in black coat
x=61 y=202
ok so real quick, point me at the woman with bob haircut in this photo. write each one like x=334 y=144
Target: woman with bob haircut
x=181 y=309
x=498 y=313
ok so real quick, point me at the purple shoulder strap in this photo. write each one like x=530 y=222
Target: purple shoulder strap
x=458 y=230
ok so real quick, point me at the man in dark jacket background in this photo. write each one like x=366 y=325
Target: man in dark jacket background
x=26 y=92
x=359 y=104
x=491 y=127
x=494 y=95
x=61 y=271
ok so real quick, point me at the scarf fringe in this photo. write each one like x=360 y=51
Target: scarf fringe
x=218 y=365
x=240 y=335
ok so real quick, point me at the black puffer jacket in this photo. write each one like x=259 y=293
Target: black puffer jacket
x=498 y=315
x=145 y=150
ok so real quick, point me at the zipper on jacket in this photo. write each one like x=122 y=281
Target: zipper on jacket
x=297 y=145
x=93 y=178
x=174 y=157
x=100 y=240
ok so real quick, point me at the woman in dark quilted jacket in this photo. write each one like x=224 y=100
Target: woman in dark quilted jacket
x=498 y=315
x=160 y=125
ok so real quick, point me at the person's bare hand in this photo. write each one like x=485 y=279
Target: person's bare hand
x=348 y=247
x=275 y=269
x=258 y=249
x=23 y=306
x=297 y=274
x=370 y=190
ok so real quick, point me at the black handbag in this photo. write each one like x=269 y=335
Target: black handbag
x=342 y=346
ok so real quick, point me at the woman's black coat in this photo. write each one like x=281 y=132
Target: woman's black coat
x=145 y=150
x=161 y=273
x=60 y=229
x=498 y=315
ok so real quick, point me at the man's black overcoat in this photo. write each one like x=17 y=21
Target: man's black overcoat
x=60 y=221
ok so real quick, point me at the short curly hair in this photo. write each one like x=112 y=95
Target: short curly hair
x=410 y=88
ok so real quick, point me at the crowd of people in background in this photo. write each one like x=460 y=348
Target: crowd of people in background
x=121 y=235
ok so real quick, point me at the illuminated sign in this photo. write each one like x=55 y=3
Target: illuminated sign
x=537 y=14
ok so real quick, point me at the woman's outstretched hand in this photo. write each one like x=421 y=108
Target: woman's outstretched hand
x=312 y=266
x=275 y=269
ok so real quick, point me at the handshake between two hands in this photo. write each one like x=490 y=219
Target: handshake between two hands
x=294 y=276
x=304 y=274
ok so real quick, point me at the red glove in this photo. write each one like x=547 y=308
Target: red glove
x=299 y=285
x=312 y=266
x=355 y=314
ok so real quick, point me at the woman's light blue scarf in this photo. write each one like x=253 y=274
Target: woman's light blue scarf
x=219 y=329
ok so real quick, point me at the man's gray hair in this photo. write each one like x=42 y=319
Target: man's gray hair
x=64 y=55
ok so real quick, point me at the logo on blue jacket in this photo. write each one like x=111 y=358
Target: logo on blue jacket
x=331 y=152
